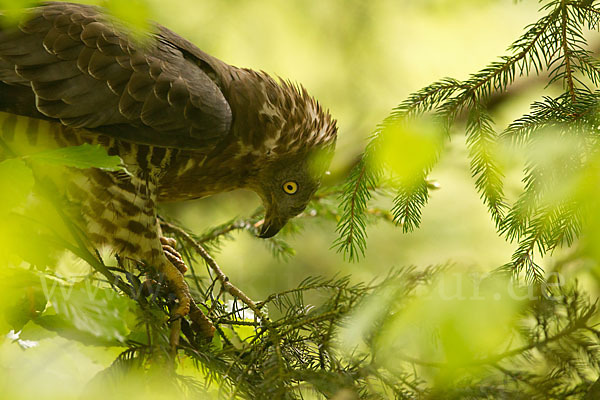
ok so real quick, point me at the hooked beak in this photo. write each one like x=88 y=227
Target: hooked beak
x=268 y=231
x=271 y=226
x=273 y=222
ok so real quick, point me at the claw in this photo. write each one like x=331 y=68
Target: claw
x=178 y=286
x=184 y=304
x=168 y=246
x=200 y=323
x=168 y=241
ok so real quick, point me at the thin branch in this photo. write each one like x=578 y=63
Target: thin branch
x=566 y=51
x=226 y=284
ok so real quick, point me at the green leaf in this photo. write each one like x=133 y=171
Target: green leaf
x=217 y=343
x=21 y=298
x=23 y=238
x=87 y=313
x=244 y=332
x=84 y=156
x=62 y=327
x=16 y=182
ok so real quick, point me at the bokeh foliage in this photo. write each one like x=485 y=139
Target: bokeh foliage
x=435 y=332
x=559 y=133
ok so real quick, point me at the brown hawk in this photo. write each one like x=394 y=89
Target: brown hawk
x=185 y=124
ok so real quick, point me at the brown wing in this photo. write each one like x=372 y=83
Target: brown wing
x=69 y=62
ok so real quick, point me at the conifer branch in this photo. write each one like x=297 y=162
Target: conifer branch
x=554 y=43
x=566 y=51
x=352 y=223
x=409 y=202
x=481 y=139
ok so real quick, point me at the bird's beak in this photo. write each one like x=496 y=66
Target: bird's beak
x=269 y=231
x=273 y=223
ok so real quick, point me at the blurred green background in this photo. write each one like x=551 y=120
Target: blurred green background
x=360 y=59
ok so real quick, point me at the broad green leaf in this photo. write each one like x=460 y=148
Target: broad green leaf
x=16 y=182
x=21 y=298
x=138 y=322
x=27 y=305
x=88 y=313
x=84 y=156
x=34 y=331
x=245 y=332
x=217 y=343
x=21 y=237
x=238 y=335
x=24 y=239
x=62 y=327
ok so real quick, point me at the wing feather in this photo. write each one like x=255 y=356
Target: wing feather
x=88 y=73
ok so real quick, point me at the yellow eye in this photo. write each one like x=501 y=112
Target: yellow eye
x=290 y=187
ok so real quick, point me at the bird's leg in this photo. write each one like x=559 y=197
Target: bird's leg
x=120 y=211
x=178 y=285
x=173 y=271
x=200 y=323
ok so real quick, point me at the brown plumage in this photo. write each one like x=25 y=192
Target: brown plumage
x=185 y=124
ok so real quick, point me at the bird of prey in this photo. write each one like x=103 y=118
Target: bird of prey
x=185 y=125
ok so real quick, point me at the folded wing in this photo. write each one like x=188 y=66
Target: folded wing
x=69 y=62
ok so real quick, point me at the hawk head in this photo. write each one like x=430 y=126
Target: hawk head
x=292 y=140
x=287 y=185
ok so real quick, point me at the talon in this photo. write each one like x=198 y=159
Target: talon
x=200 y=323
x=182 y=309
x=168 y=246
x=168 y=241
x=184 y=306
x=172 y=267
x=178 y=286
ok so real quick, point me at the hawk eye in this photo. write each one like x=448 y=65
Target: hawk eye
x=290 y=187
